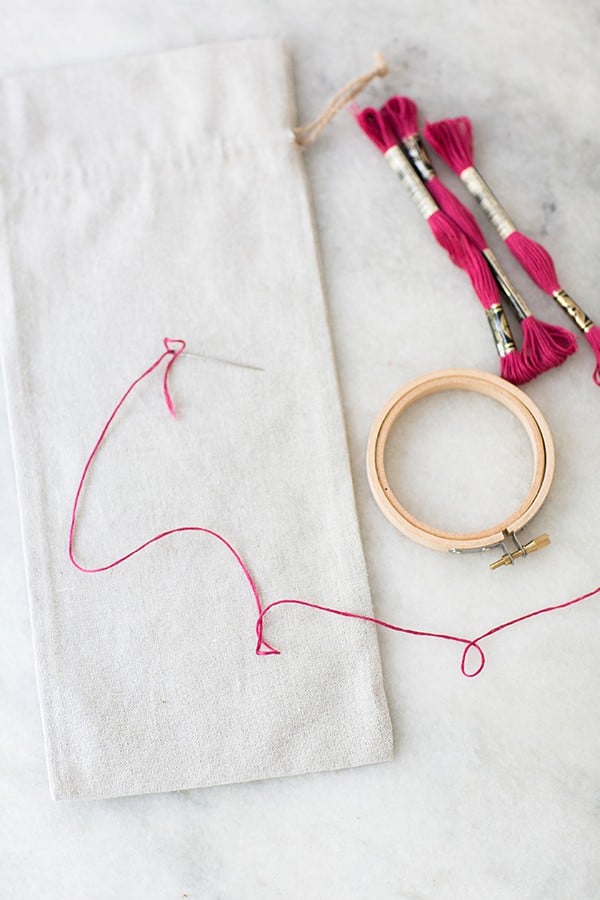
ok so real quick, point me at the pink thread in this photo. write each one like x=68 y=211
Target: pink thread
x=378 y=128
x=262 y=647
x=378 y=125
x=535 y=259
x=452 y=139
x=173 y=354
x=593 y=338
x=545 y=346
x=539 y=265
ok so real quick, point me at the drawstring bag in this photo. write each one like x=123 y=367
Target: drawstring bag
x=164 y=196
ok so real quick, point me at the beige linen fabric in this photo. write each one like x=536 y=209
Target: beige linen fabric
x=164 y=195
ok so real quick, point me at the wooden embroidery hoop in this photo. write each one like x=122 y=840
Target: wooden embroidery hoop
x=542 y=445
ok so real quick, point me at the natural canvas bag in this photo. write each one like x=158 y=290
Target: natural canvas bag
x=153 y=196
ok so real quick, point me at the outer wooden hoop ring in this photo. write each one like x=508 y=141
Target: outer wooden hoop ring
x=481 y=383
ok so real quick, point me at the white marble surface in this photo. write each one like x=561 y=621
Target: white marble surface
x=493 y=792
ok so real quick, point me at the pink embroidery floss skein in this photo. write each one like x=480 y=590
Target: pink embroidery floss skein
x=513 y=366
x=452 y=139
x=544 y=345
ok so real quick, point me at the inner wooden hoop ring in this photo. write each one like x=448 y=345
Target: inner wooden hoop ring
x=480 y=383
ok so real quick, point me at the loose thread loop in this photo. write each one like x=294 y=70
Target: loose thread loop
x=174 y=347
x=472 y=645
x=174 y=354
x=306 y=134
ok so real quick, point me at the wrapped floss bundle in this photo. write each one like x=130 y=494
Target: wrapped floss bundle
x=544 y=345
x=129 y=215
x=513 y=365
x=452 y=139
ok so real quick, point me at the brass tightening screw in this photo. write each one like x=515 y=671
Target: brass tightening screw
x=538 y=543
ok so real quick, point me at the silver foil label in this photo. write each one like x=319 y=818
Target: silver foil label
x=488 y=202
x=512 y=294
x=581 y=319
x=418 y=155
x=503 y=337
x=411 y=181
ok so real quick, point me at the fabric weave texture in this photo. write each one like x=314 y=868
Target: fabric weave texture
x=164 y=195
